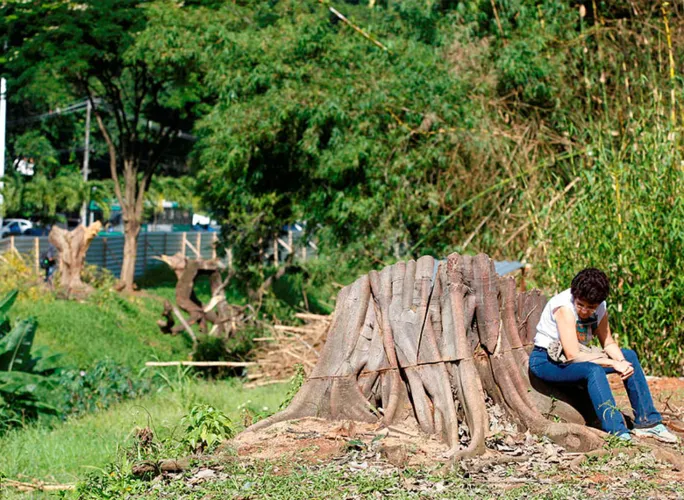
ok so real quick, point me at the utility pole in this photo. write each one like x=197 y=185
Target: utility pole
x=3 y=121
x=86 y=158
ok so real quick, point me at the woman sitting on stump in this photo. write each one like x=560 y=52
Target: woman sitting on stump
x=568 y=323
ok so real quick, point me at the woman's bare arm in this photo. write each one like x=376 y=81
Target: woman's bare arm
x=608 y=343
x=568 y=339
x=612 y=349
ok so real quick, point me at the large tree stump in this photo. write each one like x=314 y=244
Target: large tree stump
x=428 y=340
x=72 y=247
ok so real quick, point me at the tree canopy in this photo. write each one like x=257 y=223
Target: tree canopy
x=525 y=129
x=395 y=129
x=87 y=50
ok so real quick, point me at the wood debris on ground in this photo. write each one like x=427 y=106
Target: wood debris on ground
x=277 y=355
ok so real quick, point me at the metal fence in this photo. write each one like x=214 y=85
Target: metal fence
x=107 y=251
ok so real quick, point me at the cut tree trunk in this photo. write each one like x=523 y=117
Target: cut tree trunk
x=72 y=247
x=130 y=254
x=429 y=341
x=218 y=311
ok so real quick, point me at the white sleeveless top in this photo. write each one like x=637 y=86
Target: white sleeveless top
x=547 y=329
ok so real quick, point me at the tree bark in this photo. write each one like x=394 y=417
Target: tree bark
x=130 y=253
x=187 y=271
x=72 y=247
x=131 y=200
x=420 y=339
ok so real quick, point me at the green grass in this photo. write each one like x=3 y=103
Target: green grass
x=123 y=329
x=68 y=451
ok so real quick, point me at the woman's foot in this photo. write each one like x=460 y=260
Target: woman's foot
x=659 y=432
x=625 y=436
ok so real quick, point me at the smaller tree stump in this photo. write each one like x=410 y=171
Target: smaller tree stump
x=218 y=311
x=72 y=247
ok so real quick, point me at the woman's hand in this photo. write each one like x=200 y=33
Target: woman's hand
x=624 y=368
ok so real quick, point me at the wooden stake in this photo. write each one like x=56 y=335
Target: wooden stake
x=265 y=382
x=214 y=241
x=36 y=250
x=235 y=364
x=192 y=247
x=198 y=245
x=104 y=252
x=39 y=486
x=183 y=241
x=276 y=261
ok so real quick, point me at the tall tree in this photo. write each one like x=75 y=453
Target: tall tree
x=88 y=48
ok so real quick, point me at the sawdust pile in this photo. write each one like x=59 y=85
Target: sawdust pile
x=287 y=346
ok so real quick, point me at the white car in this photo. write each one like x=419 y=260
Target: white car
x=14 y=227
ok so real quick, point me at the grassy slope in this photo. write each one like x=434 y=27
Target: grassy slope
x=70 y=450
x=118 y=328
x=106 y=325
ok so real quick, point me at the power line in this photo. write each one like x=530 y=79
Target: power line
x=72 y=108
x=83 y=106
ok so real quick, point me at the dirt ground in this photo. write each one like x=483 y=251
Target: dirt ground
x=668 y=396
x=313 y=440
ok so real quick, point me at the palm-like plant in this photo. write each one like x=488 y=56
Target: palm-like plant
x=25 y=386
x=46 y=197
x=178 y=189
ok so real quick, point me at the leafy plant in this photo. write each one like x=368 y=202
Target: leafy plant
x=25 y=381
x=295 y=384
x=99 y=387
x=205 y=428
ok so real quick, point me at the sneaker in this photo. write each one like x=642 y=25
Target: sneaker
x=625 y=436
x=659 y=432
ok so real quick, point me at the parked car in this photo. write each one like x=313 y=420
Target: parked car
x=15 y=227
x=37 y=231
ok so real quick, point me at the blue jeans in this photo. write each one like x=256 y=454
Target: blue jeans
x=594 y=378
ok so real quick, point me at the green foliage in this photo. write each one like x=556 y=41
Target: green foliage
x=25 y=382
x=107 y=324
x=463 y=135
x=295 y=384
x=182 y=190
x=69 y=450
x=90 y=51
x=36 y=147
x=635 y=234
x=42 y=197
x=99 y=387
x=205 y=428
x=625 y=214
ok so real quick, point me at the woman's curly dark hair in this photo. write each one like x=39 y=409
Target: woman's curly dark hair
x=591 y=285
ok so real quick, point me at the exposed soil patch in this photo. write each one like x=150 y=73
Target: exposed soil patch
x=314 y=440
x=512 y=458
x=668 y=396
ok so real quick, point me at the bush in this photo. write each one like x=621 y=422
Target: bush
x=205 y=428
x=26 y=382
x=99 y=387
